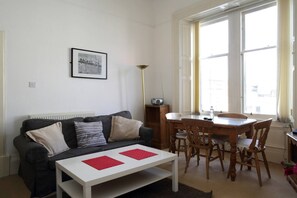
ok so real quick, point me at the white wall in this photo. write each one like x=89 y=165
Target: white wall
x=39 y=36
x=38 y=39
x=163 y=75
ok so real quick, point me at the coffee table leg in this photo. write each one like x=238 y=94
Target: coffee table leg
x=87 y=192
x=175 y=175
x=58 y=181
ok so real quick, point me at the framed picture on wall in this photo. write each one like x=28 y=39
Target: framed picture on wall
x=88 y=64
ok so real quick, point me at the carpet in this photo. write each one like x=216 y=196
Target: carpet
x=162 y=189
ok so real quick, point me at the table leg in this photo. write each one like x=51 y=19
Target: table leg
x=87 y=193
x=175 y=175
x=249 y=134
x=58 y=182
x=232 y=166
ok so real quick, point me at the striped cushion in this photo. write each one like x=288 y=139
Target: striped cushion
x=89 y=134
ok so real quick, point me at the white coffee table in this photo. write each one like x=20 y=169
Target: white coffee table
x=114 y=181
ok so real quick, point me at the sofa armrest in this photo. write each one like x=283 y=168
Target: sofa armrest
x=30 y=151
x=146 y=134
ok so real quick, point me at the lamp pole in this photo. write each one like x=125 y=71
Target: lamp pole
x=142 y=67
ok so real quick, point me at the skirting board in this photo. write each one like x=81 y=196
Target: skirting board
x=14 y=164
x=4 y=165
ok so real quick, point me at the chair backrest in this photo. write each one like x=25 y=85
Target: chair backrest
x=199 y=132
x=173 y=116
x=232 y=115
x=261 y=130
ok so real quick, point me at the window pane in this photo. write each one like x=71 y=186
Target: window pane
x=214 y=83
x=260 y=82
x=260 y=28
x=213 y=39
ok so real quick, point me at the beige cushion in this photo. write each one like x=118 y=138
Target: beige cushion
x=124 y=129
x=51 y=137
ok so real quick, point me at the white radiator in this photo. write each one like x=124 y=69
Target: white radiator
x=276 y=144
x=61 y=116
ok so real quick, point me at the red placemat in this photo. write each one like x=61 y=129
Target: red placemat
x=138 y=154
x=102 y=162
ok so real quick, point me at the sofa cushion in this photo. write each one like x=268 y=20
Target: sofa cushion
x=50 y=137
x=67 y=128
x=124 y=129
x=106 y=121
x=89 y=134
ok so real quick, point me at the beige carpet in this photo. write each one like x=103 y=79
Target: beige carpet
x=245 y=186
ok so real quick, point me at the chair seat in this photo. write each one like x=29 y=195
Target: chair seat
x=245 y=143
x=181 y=135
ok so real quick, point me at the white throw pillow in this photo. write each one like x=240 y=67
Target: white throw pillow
x=51 y=137
x=124 y=129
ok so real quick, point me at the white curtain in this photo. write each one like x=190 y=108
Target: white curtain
x=283 y=112
x=185 y=68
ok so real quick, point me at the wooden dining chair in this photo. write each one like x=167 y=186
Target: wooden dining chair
x=199 y=136
x=222 y=139
x=248 y=149
x=181 y=135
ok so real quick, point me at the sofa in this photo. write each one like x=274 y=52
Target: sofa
x=37 y=168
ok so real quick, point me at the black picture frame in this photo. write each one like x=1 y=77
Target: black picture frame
x=88 y=64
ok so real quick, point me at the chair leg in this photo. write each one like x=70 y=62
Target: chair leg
x=207 y=163
x=186 y=148
x=223 y=151
x=266 y=164
x=188 y=159
x=197 y=155
x=220 y=157
x=178 y=146
x=242 y=156
x=228 y=175
x=258 y=168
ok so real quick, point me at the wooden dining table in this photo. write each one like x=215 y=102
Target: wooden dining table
x=231 y=127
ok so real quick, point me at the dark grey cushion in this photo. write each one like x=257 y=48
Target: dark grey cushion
x=89 y=134
x=106 y=121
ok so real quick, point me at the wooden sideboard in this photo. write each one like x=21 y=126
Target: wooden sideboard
x=292 y=147
x=155 y=119
x=292 y=157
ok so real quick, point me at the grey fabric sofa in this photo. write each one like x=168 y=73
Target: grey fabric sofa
x=38 y=170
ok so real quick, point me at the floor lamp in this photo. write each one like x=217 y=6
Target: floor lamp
x=142 y=67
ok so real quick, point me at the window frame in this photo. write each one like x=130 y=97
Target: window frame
x=236 y=50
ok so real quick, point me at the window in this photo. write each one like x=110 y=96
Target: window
x=260 y=60
x=244 y=78
x=214 y=65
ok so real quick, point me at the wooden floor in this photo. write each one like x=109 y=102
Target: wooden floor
x=245 y=186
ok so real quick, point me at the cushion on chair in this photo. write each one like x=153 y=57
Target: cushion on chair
x=181 y=135
x=245 y=143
